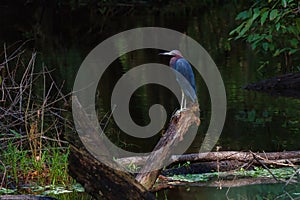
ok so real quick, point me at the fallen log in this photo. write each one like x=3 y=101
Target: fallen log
x=283 y=85
x=227 y=165
x=204 y=167
x=217 y=156
x=99 y=180
x=177 y=129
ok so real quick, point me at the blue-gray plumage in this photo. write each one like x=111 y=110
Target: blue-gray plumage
x=182 y=66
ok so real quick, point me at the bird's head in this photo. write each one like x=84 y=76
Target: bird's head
x=173 y=53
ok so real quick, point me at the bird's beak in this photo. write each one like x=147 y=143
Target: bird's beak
x=165 y=54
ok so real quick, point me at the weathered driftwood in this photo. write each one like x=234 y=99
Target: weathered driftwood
x=278 y=157
x=283 y=85
x=98 y=179
x=178 y=127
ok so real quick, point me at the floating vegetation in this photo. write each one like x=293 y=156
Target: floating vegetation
x=258 y=172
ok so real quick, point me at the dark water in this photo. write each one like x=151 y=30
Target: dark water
x=255 y=121
x=267 y=191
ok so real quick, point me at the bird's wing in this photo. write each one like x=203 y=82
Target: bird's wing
x=184 y=68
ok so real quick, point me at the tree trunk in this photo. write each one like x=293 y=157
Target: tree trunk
x=162 y=152
x=99 y=180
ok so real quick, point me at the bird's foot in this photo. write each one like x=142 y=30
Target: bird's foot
x=181 y=110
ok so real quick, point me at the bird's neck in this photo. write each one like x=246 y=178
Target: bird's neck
x=173 y=60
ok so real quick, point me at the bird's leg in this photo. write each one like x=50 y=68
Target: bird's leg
x=181 y=104
x=182 y=97
x=184 y=104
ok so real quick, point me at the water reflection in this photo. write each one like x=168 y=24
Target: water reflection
x=264 y=191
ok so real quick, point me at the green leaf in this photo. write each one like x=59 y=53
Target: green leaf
x=297 y=28
x=292 y=51
x=271 y=47
x=254 y=45
x=294 y=42
x=237 y=29
x=268 y=38
x=251 y=115
x=7 y=191
x=256 y=13
x=246 y=28
x=263 y=65
x=242 y=15
x=265 y=46
x=273 y=14
x=278 y=25
x=264 y=17
x=254 y=37
x=15 y=133
x=284 y=4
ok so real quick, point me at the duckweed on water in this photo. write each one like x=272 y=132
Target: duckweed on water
x=281 y=173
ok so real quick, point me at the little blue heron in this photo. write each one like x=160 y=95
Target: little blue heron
x=182 y=66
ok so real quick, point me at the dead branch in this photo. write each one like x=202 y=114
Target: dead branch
x=162 y=152
x=269 y=158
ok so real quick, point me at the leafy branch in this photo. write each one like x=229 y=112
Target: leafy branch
x=271 y=27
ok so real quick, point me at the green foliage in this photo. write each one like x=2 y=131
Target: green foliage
x=133 y=168
x=194 y=177
x=280 y=173
x=73 y=196
x=271 y=27
x=186 y=164
x=21 y=168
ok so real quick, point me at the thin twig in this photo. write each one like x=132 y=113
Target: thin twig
x=57 y=88
x=4 y=174
x=254 y=156
x=31 y=64
x=16 y=53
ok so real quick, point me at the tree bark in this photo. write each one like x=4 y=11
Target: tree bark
x=177 y=129
x=217 y=156
x=99 y=180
